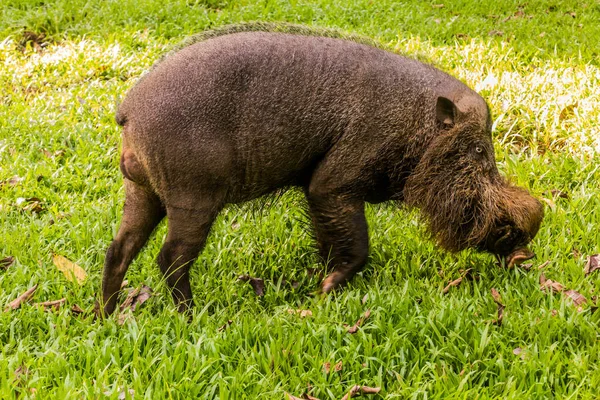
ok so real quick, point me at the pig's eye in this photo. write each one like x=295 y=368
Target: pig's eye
x=478 y=149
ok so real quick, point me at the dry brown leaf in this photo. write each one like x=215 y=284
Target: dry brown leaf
x=519 y=352
x=301 y=313
x=225 y=325
x=365 y=298
x=495 y=32
x=498 y=300
x=550 y=203
x=354 y=328
x=54 y=304
x=305 y=396
x=21 y=373
x=545 y=284
x=72 y=271
x=24 y=297
x=592 y=264
x=456 y=282
x=358 y=390
x=75 y=309
x=338 y=367
x=257 y=284
x=6 y=262
x=567 y=112
x=136 y=297
x=544 y=264
x=559 y=194
x=30 y=204
x=578 y=298
x=14 y=181
x=54 y=154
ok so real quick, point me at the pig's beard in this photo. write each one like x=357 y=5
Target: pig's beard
x=460 y=207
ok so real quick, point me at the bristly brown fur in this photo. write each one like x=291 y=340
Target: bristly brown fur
x=247 y=110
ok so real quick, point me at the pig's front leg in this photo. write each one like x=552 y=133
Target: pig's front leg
x=341 y=233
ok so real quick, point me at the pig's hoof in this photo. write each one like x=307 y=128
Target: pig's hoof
x=333 y=280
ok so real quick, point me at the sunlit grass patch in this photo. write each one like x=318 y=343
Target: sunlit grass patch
x=59 y=137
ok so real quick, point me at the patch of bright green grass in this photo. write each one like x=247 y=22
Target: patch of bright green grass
x=418 y=343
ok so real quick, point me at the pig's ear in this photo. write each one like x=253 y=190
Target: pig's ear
x=445 y=112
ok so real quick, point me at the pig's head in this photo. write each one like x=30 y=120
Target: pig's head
x=457 y=186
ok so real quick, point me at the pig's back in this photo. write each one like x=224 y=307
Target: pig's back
x=271 y=104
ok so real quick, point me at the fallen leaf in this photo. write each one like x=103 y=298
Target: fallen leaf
x=560 y=194
x=498 y=300
x=326 y=367
x=305 y=396
x=519 y=352
x=257 y=284
x=32 y=204
x=544 y=264
x=35 y=40
x=136 y=297
x=16 y=303
x=54 y=154
x=354 y=328
x=6 y=262
x=302 y=313
x=14 y=181
x=555 y=287
x=21 y=372
x=592 y=264
x=225 y=325
x=358 y=390
x=542 y=34
x=495 y=32
x=338 y=367
x=550 y=203
x=55 y=304
x=365 y=298
x=456 y=282
x=568 y=112
x=75 y=309
x=437 y=6
x=576 y=253
x=578 y=298
x=72 y=271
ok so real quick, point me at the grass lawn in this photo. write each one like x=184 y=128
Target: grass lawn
x=64 y=65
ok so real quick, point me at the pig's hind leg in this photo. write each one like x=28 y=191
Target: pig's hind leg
x=141 y=214
x=188 y=229
x=341 y=233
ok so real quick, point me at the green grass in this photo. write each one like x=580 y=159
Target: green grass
x=417 y=343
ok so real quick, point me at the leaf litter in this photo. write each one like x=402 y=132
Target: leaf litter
x=6 y=262
x=24 y=297
x=498 y=300
x=354 y=328
x=457 y=281
x=592 y=264
x=72 y=271
x=135 y=298
x=257 y=284
x=555 y=287
x=355 y=391
x=53 y=304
